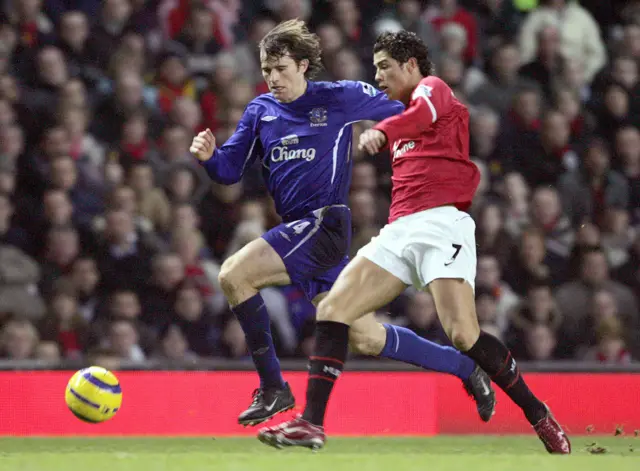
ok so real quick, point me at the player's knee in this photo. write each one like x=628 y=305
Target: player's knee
x=328 y=310
x=464 y=335
x=229 y=277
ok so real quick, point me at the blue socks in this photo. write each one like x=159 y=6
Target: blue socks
x=404 y=345
x=254 y=319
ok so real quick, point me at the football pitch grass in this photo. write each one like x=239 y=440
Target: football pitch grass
x=341 y=454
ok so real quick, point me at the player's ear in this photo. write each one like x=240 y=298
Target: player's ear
x=412 y=64
x=303 y=65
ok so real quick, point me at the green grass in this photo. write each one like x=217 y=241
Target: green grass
x=340 y=454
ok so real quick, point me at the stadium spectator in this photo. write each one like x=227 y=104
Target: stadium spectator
x=489 y=277
x=540 y=343
x=123 y=256
x=580 y=35
x=611 y=346
x=491 y=235
x=19 y=277
x=574 y=297
x=18 y=339
x=123 y=338
x=536 y=309
x=49 y=352
x=174 y=345
x=422 y=318
x=64 y=323
x=85 y=278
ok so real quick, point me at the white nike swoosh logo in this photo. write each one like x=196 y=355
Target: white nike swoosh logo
x=268 y=118
x=485 y=390
x=269 y=408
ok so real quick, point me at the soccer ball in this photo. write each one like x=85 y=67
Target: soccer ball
x=93 y=395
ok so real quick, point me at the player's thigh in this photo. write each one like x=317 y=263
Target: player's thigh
x=257 y=265
x=443 y=246
x=455 y=303
x=362 y=287
x=447 y=268
x=367 y=336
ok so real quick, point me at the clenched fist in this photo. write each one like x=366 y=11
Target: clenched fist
x=372 y=141
x=203 y=145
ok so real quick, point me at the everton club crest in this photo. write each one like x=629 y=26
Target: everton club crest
x=318 y=117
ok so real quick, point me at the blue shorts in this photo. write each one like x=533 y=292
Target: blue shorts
x=315 y=248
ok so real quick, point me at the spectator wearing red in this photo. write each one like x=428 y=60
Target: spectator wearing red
x=224 y=74
x=33 y=27
x=591 y=190
x=64 y=323
x=199 y=38
x=179 y=16
x=448 y=11
x=173 y=82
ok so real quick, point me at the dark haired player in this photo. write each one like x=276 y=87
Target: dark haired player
x=429 y=243
x=301 y=131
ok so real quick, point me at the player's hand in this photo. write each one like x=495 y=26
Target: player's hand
x=372 y=140
x=203 y=145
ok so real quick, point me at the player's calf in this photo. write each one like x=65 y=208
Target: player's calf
x=367 y=336
x=241 y=276
x=455 y=304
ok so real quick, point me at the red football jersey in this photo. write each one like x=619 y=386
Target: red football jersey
x=429 y=145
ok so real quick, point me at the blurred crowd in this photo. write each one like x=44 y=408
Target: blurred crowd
x=111 y=236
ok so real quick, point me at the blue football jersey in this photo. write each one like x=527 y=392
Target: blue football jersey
x=304 y=146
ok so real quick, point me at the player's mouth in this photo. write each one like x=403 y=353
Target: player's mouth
x=277 y=89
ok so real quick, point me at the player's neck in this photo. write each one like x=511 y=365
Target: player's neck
x=413 y=84
x=298 y=93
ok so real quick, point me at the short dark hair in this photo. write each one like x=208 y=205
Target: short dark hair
x=294 y=38
x=402 y=46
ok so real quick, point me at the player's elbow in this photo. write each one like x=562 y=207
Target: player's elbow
x=219 y=173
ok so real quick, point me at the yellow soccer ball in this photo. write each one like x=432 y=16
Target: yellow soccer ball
x=93 y=395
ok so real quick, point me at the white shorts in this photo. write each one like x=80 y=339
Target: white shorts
x=421 y=247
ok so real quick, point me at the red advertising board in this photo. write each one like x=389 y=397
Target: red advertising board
x=364 y=403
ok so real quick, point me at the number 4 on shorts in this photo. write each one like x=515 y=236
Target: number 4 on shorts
x=457 y=248
x=298 y=227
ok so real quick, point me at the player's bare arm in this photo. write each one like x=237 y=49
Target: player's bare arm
x=372 y=141
x=203 y=145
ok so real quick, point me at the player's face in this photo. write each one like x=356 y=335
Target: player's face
x=394 y=79
x=284 y=76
